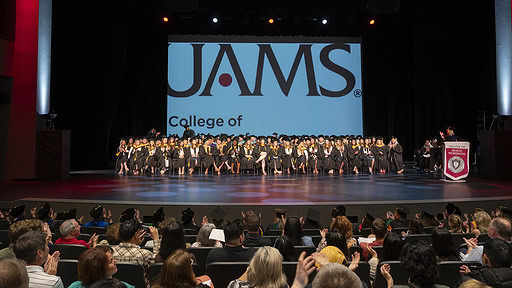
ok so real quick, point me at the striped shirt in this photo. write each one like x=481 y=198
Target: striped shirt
x=40 y=279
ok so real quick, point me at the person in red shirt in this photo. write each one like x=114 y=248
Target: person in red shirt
x=70 y=229
x=379 y=229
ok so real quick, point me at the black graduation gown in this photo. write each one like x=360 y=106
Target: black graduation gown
x=247 y=158
x=341 y=158
x=367 y=157
x=151 y=158
x=257 y=153
x=353 y=155
x=206 y=154
x=288 y=154
x=194 y=157
x=329 y=158
x=139 y=157
x=275 y=157
x=395 y=156
x=426 y=155
x=221 y=155
x=314 y=159
x=177 y=161
x=233 y=155
x=381 y=158
x=302 y=157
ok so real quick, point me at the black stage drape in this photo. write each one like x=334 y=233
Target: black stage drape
x=426 y=67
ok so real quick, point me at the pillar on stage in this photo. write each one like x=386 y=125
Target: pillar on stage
x=503 y=11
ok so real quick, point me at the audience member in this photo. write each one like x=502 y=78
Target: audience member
x=265 y=270
x=482 y=221
x=391 y=247
x=285 y=246
x=177 y=272
x=379 y=229
x=253 y=238
x=335 y=247
x=455 y=224
x=472 y=283
x=173 y=238
x=13 y=274
x=99 y=215
x=416 y=227
x=312 y=220
x=498 y=228
x=399 y=218
x=187 y=218
x=293 y=229
x=342 y=225
x=70 y=229
x=420 y=262
x=19 y=228
x=496 y=260
x=131 y=234
x=233 y=251
x=444 y=245
x=278 y=222
x=112 y=236
x=94 y=265
x=32 y=247
x=203 y=237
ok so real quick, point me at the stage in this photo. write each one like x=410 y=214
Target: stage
x=296 y=192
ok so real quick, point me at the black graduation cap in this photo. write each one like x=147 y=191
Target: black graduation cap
x=218 y=214
x=159 y=215
x=339 y=211
x=457 y=211
x=280 y=212
x=17 y=211
x=127 y=214
x=42 y=214
x=402 y=210
x=70 y=214
x=427 y=214
x=96 y=212
x=313 y=214
x=450 y=208
x=369 y=217
x=380 y=138
x=188 y=212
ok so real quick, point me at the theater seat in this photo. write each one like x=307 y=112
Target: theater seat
x=418 y=237
x=311 y=232
x=458 y=238
x=354 y=249
x=400 y=230
x=92 y=230
x=68 y=271
x=363 y=271
x=190 y=239
x=365 y=232
x=222 y=273
x=449 y=274
x=201 y=254
x=130 y=273
x=428 y=230
x=273 y=233
x=400 y=276
x=154 y=270
x=309 y=250
x=289 y=269
x=4 y=238
x=190 y=232
x=85 y=237
x=69 y=251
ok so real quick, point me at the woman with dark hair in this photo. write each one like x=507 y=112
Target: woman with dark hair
x=94 y=265
x=173 y=238
x=391 y=248
x=177 y=272
x=443 y=244
x=416 y=227
x=293 y=229
x=285 y=246
x=420 y=262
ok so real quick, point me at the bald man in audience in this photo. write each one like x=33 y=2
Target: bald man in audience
x=500 y=228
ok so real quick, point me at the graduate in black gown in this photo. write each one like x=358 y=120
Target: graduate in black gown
x=193 y=156
x=368 y=155
x=276 y=153
x=353 y=155
x=314 y=161
x=206 y=152
x=381 y=156
x=138 y=157
x=329 y=156
x=302 y=157
x=233 y=153
x=165 y=151
x=288 y=156
x=261 y=154
x=150 y=162
x=341 y=158
x=178 y=156
x=426 y=155
x=222 y=157
x=122 y=158
x=395 y=155
x=247 y=160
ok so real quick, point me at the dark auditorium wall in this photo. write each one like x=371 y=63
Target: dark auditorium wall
x=430 y=65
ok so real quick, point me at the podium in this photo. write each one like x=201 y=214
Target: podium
x=456 y=160
x=53 y=154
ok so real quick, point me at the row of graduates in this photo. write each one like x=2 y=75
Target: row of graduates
x=284 y=154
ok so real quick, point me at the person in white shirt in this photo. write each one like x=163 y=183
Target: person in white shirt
x=32 y=247
x=498 y=228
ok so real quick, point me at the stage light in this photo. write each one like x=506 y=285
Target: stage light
x=372 y=22
x=324 y=21
x=270 y=20
x=215 y=20
x=165 y=19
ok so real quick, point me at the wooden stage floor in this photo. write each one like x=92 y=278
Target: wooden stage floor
x=297 y=190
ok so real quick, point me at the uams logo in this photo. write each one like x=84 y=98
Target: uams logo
x=265 y=51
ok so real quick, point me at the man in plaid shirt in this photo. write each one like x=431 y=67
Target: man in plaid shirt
x=131 y=234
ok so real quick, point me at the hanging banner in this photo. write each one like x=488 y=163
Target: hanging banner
x=456 y=160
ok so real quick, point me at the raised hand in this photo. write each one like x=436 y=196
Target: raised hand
x=355 y=261
x=305 y=266
x=52 y=262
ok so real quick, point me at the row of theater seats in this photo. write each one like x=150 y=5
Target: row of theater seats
x=222 y=273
